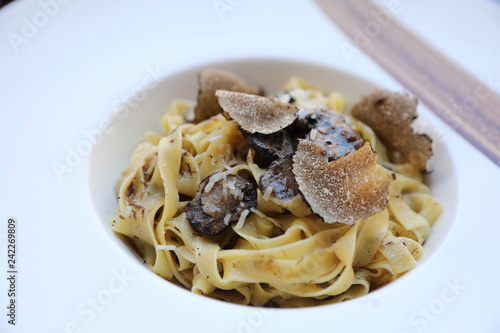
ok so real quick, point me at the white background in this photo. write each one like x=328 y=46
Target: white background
x=65 y=66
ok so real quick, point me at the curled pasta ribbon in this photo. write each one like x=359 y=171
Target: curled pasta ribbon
x=282 y=255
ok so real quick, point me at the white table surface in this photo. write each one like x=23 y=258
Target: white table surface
x=67 y=73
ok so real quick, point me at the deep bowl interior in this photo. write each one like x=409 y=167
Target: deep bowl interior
x=127 y=125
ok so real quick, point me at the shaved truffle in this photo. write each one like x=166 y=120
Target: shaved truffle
x=256 y=114
x=390 y=115
x=221 y=200
x=343 y=190
x=209 y=81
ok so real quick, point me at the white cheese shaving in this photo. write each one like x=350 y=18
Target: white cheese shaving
x=227 y=218
x=166 y=247
x=242 y=219
x=230 y=184
x=236 y=192
x=214 y=179
x=224 y=187
x=267 y=193
x=314 y=135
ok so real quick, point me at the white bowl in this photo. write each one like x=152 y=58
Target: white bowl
x=111 y=155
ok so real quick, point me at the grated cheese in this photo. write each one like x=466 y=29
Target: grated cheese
x=230 y=184
x=267 y=193
x=166 y=247
x=242 y=219
x=314 y=135
x=224 y=186
x=214 y=179
x=227 y=218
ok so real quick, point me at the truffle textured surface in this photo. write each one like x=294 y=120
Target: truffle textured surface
x=209 y=81
x=390 y=115
x=256 y=114
x=343 y=190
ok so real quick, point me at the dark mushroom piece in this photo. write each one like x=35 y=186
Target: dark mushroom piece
x=279 y=180
x=273 y=129
x=271 y=146
x=306 y=119
x=332 y=132
x=221 y=200
x=282 y=143
x=320 y=126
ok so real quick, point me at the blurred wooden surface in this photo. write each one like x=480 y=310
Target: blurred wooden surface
x=4 y=2
x=456 y=96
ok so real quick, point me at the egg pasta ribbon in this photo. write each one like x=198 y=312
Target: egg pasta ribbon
x=282 y=255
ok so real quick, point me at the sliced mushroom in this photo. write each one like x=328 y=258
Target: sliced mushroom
x=279 y=180
x=344 y=190
x=390 y=115
x=306 y=119
x=209 y=81
x=256 y=114
x=221 y=199
x=271 y=146
x=332 y=132
x=320 y=126
x=282 y=143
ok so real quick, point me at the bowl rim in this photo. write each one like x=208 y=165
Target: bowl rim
x=261 y=60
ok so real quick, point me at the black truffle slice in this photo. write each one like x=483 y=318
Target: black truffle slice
x=279 y=180
x=221 y=200
x=343 y=190
x=256 y=114
x=320 y=126
x=390 y=115
x=209 y=81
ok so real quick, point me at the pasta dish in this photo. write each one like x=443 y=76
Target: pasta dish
x=281 y=201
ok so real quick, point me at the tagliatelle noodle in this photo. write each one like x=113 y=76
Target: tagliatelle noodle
x=283 y=255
